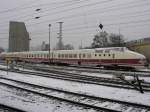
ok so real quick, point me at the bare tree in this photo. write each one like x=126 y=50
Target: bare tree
x=68 y=47
x=116 y=39
x=100 y=40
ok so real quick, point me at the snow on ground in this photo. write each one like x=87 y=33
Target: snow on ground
x=146 y=79
x=34 y=103
x=91 y=89
x=98 y=74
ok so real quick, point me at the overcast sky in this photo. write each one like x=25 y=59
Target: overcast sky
x=81 y=19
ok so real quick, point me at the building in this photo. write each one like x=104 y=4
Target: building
x=18 y=37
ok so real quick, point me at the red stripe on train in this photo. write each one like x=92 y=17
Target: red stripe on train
x=88 y=61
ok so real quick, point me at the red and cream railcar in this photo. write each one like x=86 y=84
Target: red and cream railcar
x=98 y=56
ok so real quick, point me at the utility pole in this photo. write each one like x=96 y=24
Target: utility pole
x=49 y=41
x=119 y=38
x=60 y=44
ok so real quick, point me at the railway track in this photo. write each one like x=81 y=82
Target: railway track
x=88 y=101
x=92 y=70
x=6 y=108
x=84 y=79
x=89 y=69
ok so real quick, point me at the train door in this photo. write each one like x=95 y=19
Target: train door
x=113 y=57
x=79 y=61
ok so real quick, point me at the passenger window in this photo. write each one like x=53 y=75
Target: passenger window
x=113 y=55
x=95 y=54
x=99 y=54
x=89 y=55
x=62 y=55
x=70 y=56
x=109 y=55
x=83 y=55
x=79 y=55
x=104 y=55
x=66 y=55
x=58 y=55
x=75 y=55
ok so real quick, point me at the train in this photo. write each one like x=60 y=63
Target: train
x=110 y=56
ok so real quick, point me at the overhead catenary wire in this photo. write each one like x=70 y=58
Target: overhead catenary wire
x=24 y=7
x=68 y=17
x=96 y=27
x=48 y=20
x=92 y=4
x=58 y=7
x=125 y=24
x=34 y=12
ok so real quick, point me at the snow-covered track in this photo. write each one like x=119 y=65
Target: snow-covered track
x=6 y=108
x=90 y=69
x=34 y=90
x=83 y=79
x=88 y=101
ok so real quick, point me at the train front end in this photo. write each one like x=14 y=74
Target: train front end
x=140 y=59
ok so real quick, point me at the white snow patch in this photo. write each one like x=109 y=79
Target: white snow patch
x=91 y=89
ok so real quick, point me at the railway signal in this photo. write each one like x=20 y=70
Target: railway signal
x=37 y=9
x=101 y=26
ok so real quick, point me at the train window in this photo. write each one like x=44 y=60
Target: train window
x=95 y=54
x=107 y=50
x=98 y=51
x=89 y=55
x=79 y=55
x=113 y=55
x=75 y=56
x=99 y=54
x=109 y=55
x=83 y=55
x=66 y=55
x=44 y=55
x=58 y=55
x=70 y=55
x=104 y=54
x=63 y=56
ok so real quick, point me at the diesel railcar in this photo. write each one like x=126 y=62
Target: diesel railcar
x=115 y=56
